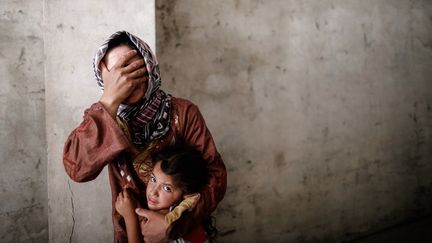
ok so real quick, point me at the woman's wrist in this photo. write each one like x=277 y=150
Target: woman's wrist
x=110 y=105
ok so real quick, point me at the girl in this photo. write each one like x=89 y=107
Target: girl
x=178 y=175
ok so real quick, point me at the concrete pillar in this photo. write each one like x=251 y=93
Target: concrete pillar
x=23 y=184
x=73 y=32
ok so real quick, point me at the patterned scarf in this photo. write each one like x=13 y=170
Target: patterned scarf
x=149 y=118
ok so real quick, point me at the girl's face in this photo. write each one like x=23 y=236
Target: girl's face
x=162 y=192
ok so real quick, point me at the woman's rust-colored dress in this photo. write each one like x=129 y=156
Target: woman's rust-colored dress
x=100 y=140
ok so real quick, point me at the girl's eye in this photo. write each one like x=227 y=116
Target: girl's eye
x=167 y=188
x=152 y=179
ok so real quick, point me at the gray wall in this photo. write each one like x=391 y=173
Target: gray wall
x=321 y=110
x=23 y=184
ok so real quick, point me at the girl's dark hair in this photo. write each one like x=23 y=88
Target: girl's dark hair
x=189 y=171
x=186 y=166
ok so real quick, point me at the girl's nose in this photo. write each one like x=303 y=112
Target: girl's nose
x=154 y=191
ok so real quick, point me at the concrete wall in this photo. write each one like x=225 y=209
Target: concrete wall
x=74 y=31
x=23 y=185
x=321 y=110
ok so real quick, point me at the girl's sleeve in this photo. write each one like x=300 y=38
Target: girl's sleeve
x=97 y=141
x=197 y=135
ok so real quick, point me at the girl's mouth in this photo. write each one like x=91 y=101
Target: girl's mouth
x=150 y=201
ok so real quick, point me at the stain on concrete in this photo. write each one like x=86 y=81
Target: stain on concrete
x=280 y=160
x=21 y=56
x=228 y=232
x=167 y=27
x=73 y=212
x=38 y=163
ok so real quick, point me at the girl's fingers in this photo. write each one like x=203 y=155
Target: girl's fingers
x=126 y=193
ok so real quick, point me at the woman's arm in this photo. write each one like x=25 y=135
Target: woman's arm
x=197 y=135
x=95 y=143
x=125 y=206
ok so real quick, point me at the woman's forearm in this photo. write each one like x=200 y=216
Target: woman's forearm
x=96 y=142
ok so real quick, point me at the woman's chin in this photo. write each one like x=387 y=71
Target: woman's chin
x=132 y=100
x=135 y=96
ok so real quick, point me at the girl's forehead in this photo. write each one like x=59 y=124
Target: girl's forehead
x=161 y=176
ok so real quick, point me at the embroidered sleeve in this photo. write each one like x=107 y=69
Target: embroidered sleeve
x=97 y=141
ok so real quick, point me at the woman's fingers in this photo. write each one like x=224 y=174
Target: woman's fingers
x=139 y=73
x=104 y=69
x=134 y=65
x=125 y=58
x=138 y=81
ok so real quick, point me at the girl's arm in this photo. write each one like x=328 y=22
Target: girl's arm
x=125 y=206
x=133 y=230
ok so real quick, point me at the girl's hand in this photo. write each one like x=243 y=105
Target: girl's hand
x=126 y=205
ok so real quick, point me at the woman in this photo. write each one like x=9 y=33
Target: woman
x=133 y=120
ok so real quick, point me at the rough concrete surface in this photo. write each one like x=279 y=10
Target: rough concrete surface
x=320 y=109
x=23 y=185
